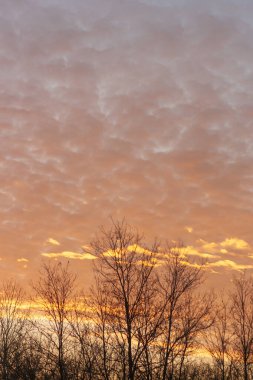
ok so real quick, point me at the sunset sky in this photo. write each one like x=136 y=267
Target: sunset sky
x=135 y=108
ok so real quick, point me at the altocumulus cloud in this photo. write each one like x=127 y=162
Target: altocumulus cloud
x=140 y=109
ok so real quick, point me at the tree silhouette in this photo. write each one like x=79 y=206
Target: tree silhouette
x=54 y=291
x=242 y=320
x=127 y=288
x=13 y=329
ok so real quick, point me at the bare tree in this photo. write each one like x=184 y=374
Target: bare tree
x=33 y=364
x=13 y=328
x=54 y=291
x=87 y=351
x=126 y=276
x=185 y=313
x=242 y=320
x=218 y=341
x=104 y=330
x=144 y=319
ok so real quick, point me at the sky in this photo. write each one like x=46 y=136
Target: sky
x=136 y=108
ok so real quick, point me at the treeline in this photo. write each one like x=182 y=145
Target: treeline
x=147 y=317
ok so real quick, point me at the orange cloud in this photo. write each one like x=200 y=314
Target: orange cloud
x=135 y=248
x=192 y=251
x=52 y=241
x=138 y=249
x=235 y=243
x=193 y=265
x=69 y=255
x=224 y=247
x=152 y=263
x=230 y=265
x=208 y=246
x=22 y=260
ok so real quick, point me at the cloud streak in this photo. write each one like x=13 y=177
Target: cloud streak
x=69 y=255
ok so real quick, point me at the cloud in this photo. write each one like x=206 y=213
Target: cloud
x=52 y=241
x=229 y=264
x=212 y=250
x=151 y=263
x=193 y=251
x=211 y=247
x=22 y=260
x=228 y=246
x=127 y=109
x=193 y=265
x=235 y=243
x=69 y=255
x=140 y=250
